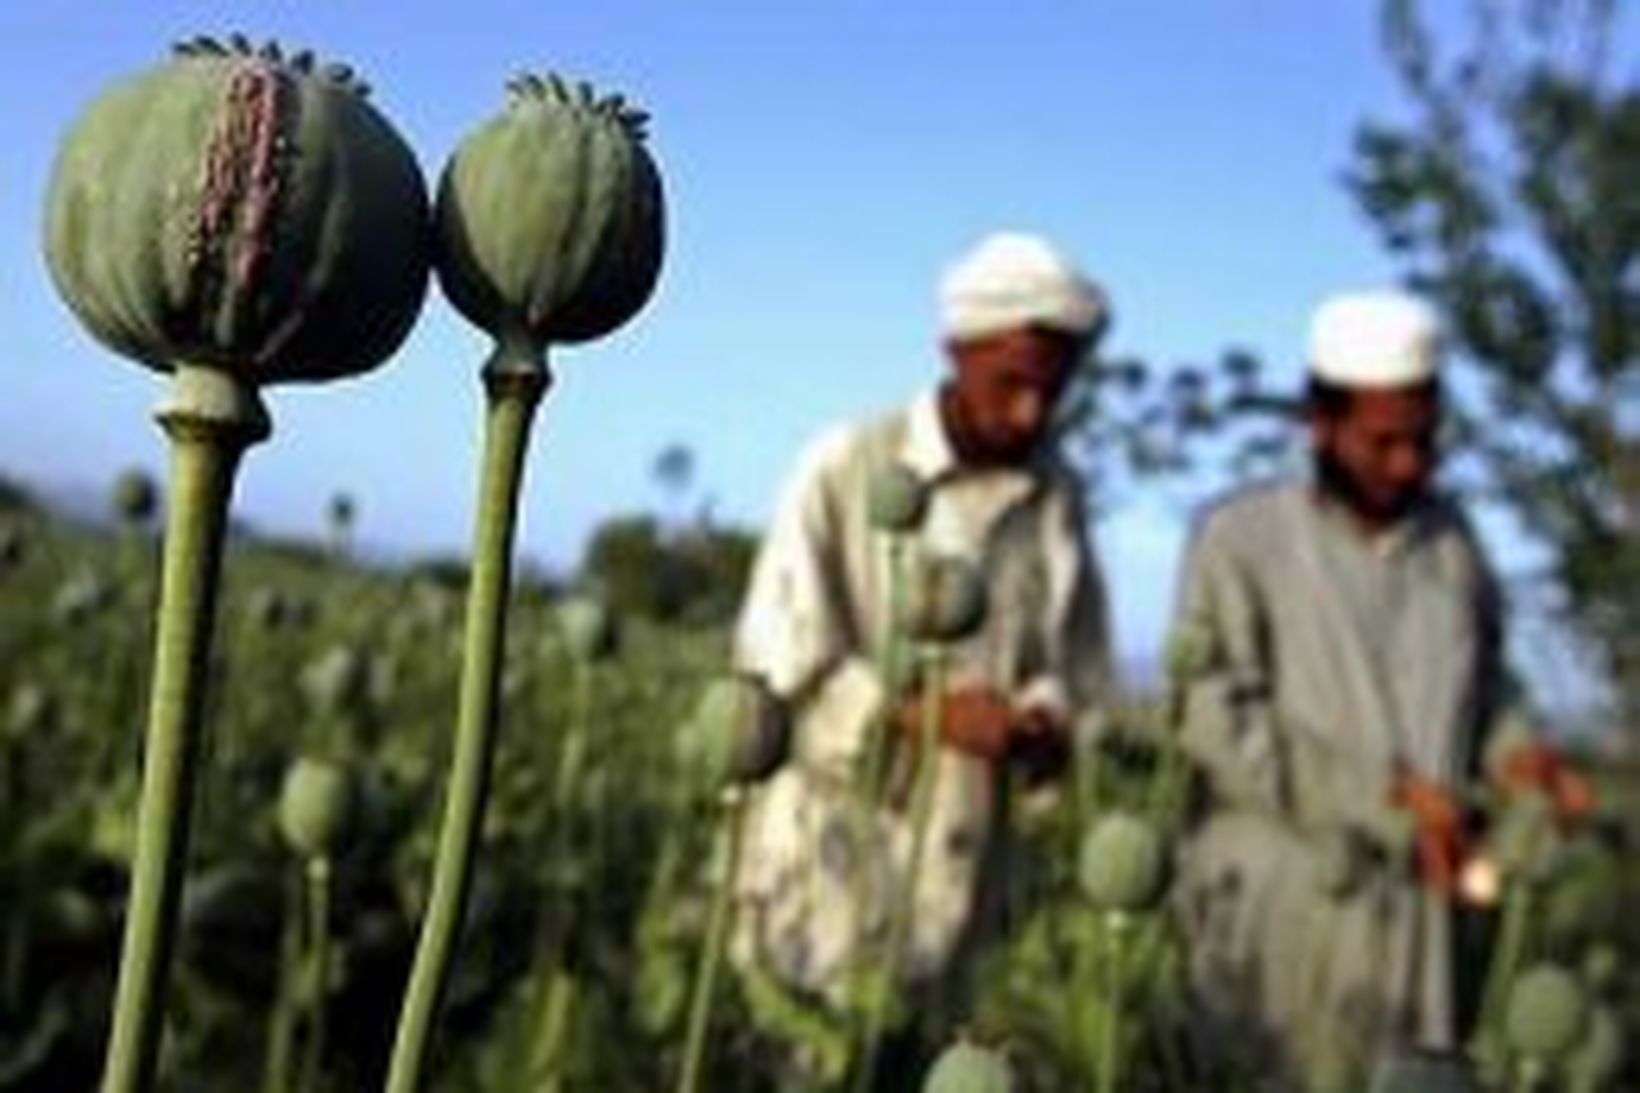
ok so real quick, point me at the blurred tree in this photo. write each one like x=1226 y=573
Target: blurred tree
x=696 y=576
x=1510 y=195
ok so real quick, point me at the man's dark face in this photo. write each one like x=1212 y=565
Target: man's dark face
x=1377 y=451
x=1005 y=389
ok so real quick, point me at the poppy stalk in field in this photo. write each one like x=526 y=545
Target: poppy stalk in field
x=208 y=218
x=549 y=229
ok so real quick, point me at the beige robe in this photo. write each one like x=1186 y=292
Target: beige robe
x=811 y=891
x=1337 y=654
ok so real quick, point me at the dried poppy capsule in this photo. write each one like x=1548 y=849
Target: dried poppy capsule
x=967 y=1067
x=315 y=807
x=1547 y=1013
x=896 y=499
x=1123 y=864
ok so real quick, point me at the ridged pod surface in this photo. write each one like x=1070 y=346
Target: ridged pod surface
x=550 y=217
x=240 y=210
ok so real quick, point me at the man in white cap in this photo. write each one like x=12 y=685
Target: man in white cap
x=1354 y=631
x=815 y=897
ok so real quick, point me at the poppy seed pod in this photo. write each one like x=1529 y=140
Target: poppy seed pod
x=315 y=807
x=738 y=733
x=945 y=599
x=135 y=497
x=1547 y=1013
x=967 y=1067
x=591 y=631
x=1123 y=864
x=549 y=218
x=241 y=211
x=896 y=499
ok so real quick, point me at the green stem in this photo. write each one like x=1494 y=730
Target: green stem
x=318 y=891
x=900 y=926
x=1500 y=974
x=210 y=420
x=550 y=1056
x=282 y=1025
x=513 y=394
x=717 y=935
x=1110 y=1032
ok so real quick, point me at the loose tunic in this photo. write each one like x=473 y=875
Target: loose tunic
x=1338 y=654
x=816 y=888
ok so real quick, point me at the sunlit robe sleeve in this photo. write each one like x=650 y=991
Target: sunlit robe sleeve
x=794 y=629
x=1229 y=724
x=1073 y=674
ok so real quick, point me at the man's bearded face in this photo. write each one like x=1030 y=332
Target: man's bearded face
x=1005 y=391
x=1376 y=451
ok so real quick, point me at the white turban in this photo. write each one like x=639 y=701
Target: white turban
x=1374 y=339
x=1011 y=281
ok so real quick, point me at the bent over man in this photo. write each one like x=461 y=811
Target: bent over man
x=1356 y=635
x=1017 y=321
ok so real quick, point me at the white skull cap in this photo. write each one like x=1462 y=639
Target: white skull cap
x=1012 y=280
x=1375 y=339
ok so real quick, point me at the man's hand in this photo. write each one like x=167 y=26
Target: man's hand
x=1440 y=842
x=975 y=720
x=1040 y=744
x=1540 y=768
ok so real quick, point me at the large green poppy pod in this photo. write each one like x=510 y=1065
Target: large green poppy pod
x=1123 y=864
x=739 y=731
x=315 y=807
x=896 y=499
x=967 y=1067
x=1547 y=1014
x=240 y=210
x=945 y=599
x=550 y=223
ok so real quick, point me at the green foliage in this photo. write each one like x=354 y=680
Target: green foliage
x=590 y=910
x=1509 y=196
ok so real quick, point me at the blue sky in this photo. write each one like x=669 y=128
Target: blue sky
x=824 y=160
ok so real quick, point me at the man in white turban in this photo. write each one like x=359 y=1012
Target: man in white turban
x=1355 y=629
x=816 y=889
